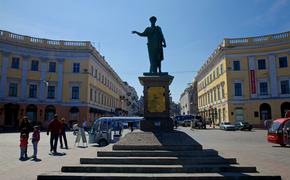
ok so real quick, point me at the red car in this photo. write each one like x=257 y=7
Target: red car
x=279 y=132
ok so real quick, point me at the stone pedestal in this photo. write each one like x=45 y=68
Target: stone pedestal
x=156 y=102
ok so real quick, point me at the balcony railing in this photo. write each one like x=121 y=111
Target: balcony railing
x=257 y=40
x=8 y=36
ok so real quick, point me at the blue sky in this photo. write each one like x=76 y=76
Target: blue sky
x=192 y=29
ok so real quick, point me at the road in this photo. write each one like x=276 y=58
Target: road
x=250 y=148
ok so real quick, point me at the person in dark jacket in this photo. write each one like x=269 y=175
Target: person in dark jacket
x=54 y=128
x=64 y=127
x=25 y=128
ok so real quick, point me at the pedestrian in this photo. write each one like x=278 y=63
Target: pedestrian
x=64 y=127
x=35 y=140
x=54 y=128
x=25 y=128
x=23 y=146
x=287 y=114
x=175 y=123
x=131 y=126
x=267 y=123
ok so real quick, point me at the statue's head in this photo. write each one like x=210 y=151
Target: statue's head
x=153 y=19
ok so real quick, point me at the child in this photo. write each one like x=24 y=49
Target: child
x=23 y=146
x=35 y=140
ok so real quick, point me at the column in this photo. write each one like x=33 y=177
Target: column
x=59 y=79
x=273 y=75
x=43 y=84
x=252 y=76
x=24 y=77
x=3 y=82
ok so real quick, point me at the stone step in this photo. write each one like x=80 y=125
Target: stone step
x=199 y=153
x=156 y=176
x=158 y=160
x=158 y=147
x=113 y=168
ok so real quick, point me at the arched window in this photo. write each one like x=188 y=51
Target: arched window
x=74 y=114
x=265 y=111
x=284 y=108
x=49 y=112
x=31 y=112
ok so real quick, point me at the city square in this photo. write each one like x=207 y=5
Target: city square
x=250 y=148
x=144 y=90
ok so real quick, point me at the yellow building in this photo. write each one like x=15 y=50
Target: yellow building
x=41 y=77
x=246 y=79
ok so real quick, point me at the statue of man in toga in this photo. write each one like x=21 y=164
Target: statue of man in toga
x=155 y=44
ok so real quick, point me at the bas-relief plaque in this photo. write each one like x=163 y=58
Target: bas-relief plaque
x=156 y=99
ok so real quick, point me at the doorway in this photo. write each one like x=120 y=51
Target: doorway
x=11 y=115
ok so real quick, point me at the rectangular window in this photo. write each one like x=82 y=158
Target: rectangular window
x=221 y=68
x=96 y=74
x=76 y=67
x=15 y=63
x=13 y=89
x=75 y=92
x=52 y=67
x=238 y=89
x=50 y=92
x=263 y=88
x=92 y=70
x=95 y=96
x=285 y=87
x=34 y=65
x=283 y=62
x=33 y=91
x=261 y=64
x=236 y=66
x=223 y=91
x=91 y=94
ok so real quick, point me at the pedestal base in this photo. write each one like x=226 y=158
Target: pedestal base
x=157 y=124
x=156 y=102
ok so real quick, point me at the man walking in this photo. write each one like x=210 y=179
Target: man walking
x=54 y=128
x=64 y=127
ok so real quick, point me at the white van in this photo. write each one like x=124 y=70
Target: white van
x=106 y=130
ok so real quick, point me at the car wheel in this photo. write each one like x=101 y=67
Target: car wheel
x=250 y=129
x=103 y=143
x=283 y=145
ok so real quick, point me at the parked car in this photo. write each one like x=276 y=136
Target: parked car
x=186 y=123
x=106 y=130
x=227 y=126
x=199 y=123
x=279 y=132
x=243 y=126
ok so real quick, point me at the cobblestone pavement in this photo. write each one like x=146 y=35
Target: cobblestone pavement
x=12 y=168
x=250 y=148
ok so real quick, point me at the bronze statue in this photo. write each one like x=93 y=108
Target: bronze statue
x=155 y=44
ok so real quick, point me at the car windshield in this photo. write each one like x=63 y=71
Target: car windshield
x=227 y=123
x=245 y=123
x=275 y=127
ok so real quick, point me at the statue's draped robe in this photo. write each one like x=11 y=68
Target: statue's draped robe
x=155 y=50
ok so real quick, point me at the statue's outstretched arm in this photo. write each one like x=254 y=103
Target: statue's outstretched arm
x=145 y=33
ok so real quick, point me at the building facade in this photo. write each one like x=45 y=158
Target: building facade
x=132 y=100
x=188 y=100
x=246 y=79
x=41 y=77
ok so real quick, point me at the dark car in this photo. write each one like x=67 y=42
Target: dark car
x=243 y=126
x=199 y=123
